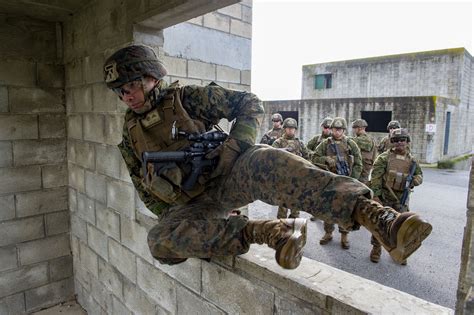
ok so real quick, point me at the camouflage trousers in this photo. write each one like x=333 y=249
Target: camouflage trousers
x=203 y=228
x=329 y=228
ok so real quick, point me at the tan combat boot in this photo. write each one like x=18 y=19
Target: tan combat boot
x=326 y=238
x=375 y=253
x=286 y=236
x=345 y=241
x=399 y=233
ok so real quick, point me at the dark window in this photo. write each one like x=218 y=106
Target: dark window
x=289 y=114
x=377 y=120
x=323 y=81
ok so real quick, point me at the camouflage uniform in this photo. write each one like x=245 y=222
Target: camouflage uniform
x=351 y=154
x=368 y=149
x=317 y=139
x=385 y=143
x=271 y=135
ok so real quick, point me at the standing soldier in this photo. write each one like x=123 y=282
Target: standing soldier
x=394 y=174
x=274 y=133
x=325 y=133
x=292 y=144
x=342 y=156
x=385 y=144
x=367 y=146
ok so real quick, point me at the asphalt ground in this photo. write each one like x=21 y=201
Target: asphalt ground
x=432 y=272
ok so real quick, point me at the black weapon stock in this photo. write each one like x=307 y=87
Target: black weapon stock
x=407 y=189
x=194 y=155
x=341 y=165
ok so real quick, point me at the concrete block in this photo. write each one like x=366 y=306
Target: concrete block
x=246 y=14
x=7 y=204
x=50 y=75
x=73 y=73
x=78 y=228
x=187 y=81
x=134 y=236
x=287 y=306
x=89 y=260
x=187 y=273
x=196 y=20
x=6 y=154
x=159 y=286
x=60 y=268
x=98 y=241
x=190 y=303
x=57 y=223
x=103 y=99
x=175 y=66
x=108 y=221
x=82 y=99
x=74 y=126
x=52 y=126
x=8 y=258
x=23 y=279
x=17 y=231
x=18 y=72
x=241 y=28
x=94 y=128
x=36 y=100
x=217 y=21
x=54 y=175
x=83 y=276
x=44 y=249
x=113 y=129
x=201 y=70
x=137 y=300
x=124 y=173
x=111 y=278
x=72 y=200
x=247 y=3
x=85 y=208
x=20 y=179
x=118 y=307
x=76 y=177
x=92 y=69
x=71 y=151
x=16 y=127
x=242 y=295
x=49 y=294
x=228 y=74
x=30 y=152
x=108 y=160
x=246 y=77
x=85 y=154
x=234 y=11
x=39 y=202
x=123 y=260
x=102 y=295
x=95 y=186
x=239 y=87
x=120 y=196
x=13 y=304
x=4 y=99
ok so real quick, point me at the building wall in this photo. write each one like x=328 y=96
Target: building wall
x=417 y=74
x=35 y=257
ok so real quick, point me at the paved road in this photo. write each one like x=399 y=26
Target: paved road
x=432 y=272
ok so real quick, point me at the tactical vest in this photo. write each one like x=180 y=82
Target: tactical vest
x=398 y=168
x=344 y=151
x=153 y=132
x=294 y=144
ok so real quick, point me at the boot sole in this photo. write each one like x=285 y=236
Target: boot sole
x=289 y=255
x=409 y=237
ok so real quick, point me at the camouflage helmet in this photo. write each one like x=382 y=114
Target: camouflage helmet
x=277 y=117
x=290 y=123
x=326 y=122
x=400 y=133
x=132 y=63
x=394 y=124
x=359 y=123
x=339 y=122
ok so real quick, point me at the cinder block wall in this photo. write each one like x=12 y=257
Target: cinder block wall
x=35 y=257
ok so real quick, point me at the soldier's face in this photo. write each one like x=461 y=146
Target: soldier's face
x=290 y=132
x=276 y=123
x=358 y=131
x=400 y=144
x=133 y=94
x=326 y=131
x=337 y=133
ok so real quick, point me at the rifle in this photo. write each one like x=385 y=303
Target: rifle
x=407 y=189
x=194 y=155
x=342 y=168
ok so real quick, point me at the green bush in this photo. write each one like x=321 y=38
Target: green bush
x=446 y=164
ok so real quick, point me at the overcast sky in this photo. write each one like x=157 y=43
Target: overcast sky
x=289 y=34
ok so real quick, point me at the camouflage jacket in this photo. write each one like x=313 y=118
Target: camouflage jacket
x=293 y=145
x=271 y=135
x=315 y=141
x=368 y=150
x=378 y=178
x=322 y=152
x=208 y=104
x=384 y=144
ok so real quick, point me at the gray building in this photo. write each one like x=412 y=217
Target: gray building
x=431 y=93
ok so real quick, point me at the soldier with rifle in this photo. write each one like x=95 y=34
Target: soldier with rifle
x=342 y=156
x=394 y=175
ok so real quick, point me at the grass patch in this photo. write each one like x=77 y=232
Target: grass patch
x=448 y=164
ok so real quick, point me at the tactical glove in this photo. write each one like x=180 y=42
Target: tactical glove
x=330 y=162
x=417 y=180
x=227 y=152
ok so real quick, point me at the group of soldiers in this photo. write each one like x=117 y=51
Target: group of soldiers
x=388 y=168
